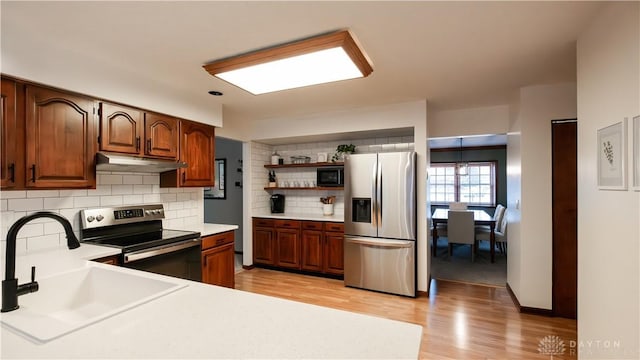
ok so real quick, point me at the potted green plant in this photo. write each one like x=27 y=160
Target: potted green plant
x=341 y=150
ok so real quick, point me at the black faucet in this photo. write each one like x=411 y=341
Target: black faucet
x=10 y=288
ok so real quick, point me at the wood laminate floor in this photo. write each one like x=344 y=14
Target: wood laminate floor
x=460 y=321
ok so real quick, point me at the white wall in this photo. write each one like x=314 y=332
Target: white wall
x=608 y=221
x=529 y=193
x=471 y=121
x=183 y=206
x=514 y=195
x=403 y=115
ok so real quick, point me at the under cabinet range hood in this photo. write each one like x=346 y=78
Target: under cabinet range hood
x=115 y=162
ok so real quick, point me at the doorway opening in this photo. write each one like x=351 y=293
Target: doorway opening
x=223 y=204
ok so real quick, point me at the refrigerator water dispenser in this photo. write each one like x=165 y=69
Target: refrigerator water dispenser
x=361 y=210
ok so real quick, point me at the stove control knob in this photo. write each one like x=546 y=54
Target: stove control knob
x=99 y=217
x=156 y=211
x=148 y=212
x=90 y=218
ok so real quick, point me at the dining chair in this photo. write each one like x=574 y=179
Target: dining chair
x=461 y=230
x=500 y=233
x=497 y=217
x=442 y=232
x=457 y=206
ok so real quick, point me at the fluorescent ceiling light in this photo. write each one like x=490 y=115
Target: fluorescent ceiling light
x=312 y=61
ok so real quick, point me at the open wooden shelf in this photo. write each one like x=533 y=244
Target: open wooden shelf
x=305 y=165
x=306 y=188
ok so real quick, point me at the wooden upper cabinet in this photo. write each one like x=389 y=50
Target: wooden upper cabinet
x=121 y=129
x=8 y=135
x=61 y=139
x=161 y=134
x=197 y=148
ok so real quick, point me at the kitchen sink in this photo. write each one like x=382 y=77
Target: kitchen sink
x=72 y=300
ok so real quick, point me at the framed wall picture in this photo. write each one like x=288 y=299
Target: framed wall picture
x=636 y=153
x=612 y=159
x=219 y=190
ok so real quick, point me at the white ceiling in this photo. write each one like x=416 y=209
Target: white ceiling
x=454 y=54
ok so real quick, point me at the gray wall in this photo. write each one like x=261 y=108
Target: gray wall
x=229 y=210
x=491 y=154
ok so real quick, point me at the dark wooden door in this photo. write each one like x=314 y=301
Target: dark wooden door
x=264 y=245
x=161 y=134
x=565 y=215
x=197 y=149
x=218 y=266
x=288 y=248
x=60 y=139
x=8 y=137
x=312 y=246
x=121 y=129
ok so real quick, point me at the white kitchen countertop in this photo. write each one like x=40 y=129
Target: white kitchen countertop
x=301 y=216
x=206 y=321
x=206 y=229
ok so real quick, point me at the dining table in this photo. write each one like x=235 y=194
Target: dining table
x=480 y=217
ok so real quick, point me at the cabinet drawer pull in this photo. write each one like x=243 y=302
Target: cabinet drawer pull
x=33 y=173
x=12 y=171
x=137 y=143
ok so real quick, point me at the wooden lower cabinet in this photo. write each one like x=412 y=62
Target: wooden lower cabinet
x=288 y=248
x=312 y=246
x=312 y=250
x=333 y=253
x=264 y=242
x=218 y=259
x=110 y=260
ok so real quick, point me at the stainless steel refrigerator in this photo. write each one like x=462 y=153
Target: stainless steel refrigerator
x=380 y=222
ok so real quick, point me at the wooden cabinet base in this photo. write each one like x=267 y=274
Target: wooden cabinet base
x=310 y=247
x=218 y=259
x=111 y=260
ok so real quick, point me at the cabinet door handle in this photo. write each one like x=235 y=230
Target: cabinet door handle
x=12 y=171
x=33 y=173
x=138 y=143
x=148 y=145
x=184 y=176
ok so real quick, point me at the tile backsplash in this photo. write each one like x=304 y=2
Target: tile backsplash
x=308 y=201
x=183 y=206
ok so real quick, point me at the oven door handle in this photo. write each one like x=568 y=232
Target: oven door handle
x=147 y=253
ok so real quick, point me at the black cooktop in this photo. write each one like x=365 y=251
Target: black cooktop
x=145 y=240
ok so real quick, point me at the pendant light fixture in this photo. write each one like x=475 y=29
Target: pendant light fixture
x=461 y=166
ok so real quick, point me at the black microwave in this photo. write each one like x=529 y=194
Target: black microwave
x=330 y=177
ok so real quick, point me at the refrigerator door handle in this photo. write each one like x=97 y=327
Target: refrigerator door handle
x=397 y=244
x=374 y=189
x=379 y=194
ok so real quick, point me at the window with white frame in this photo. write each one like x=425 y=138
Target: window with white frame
x=476 y=186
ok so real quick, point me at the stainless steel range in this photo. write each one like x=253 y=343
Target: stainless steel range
x=137 y=231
